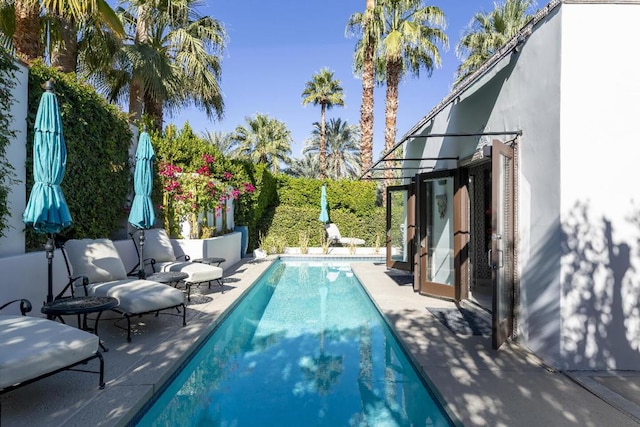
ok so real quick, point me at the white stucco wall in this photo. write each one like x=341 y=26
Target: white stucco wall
x=521 y=92
x=575 y=94
x=600 y=200
x=13 y=241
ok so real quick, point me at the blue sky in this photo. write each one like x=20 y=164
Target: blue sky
x=276 y=46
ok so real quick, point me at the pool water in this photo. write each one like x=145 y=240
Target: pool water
x=304 y=347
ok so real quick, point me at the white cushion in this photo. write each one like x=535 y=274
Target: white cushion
x=351 y=241
x=97 y=259
x=332 y=231
x=198 y=272
x=157 y=245
x=138 y=296
x=33 y=346
x=333 y=234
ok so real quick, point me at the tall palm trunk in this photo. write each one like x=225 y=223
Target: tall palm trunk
x=153 y=108
x=394 y=68
x=64 y=54
x=26 y=37
x=136 y=97
x=323 y=142
x=368 y=81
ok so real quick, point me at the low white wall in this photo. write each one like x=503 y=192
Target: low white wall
x=25 y=276
x=227 y=247
x=13 y=242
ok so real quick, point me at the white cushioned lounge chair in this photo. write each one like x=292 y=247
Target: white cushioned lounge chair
x=97 y=263
x=159 y=253
x=335 y=238
x=32 y=348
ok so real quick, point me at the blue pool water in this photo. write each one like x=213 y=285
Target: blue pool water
x=305 y=347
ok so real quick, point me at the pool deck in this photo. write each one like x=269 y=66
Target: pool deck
x=483 y=387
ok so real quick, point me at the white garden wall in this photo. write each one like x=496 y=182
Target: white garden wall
x=13 y=241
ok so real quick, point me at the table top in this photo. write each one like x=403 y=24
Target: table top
x=79 y=305
x=210 y=260
x=167 y=276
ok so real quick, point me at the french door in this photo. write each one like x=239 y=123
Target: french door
x=440 y=234
x=502 y=241
x=400 y=226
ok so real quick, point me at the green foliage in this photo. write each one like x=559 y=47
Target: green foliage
x=351 y=205
x=358 y=197
x=289 y=221
x=185 y=149
x=7 y=175
x=98 y=179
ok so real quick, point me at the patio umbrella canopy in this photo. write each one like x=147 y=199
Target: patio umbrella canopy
x=324 y=215
x=47 y=211
x=142 y=215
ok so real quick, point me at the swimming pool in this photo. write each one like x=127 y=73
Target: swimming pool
x=305 y=346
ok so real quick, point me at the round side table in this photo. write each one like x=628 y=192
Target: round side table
x=81 y=307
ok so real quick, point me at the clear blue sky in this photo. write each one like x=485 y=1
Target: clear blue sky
x=276 y=46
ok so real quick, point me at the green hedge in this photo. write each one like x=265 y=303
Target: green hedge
x=351 y=205
x=98 y=178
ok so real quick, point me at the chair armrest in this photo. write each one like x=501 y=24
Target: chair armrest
x=153 y=262
x=185 y=256
x=25 y=305
x=84 y=284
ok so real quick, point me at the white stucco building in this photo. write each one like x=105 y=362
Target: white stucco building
x=542 y=226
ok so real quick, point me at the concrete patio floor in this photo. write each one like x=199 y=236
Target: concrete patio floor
x=483 y=387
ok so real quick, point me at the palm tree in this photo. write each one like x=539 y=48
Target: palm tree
x=26 y=27
x=323 y=89
x=412 y=33
x=364 y=25
x=305 y=167
x=343 y=150
x=264 y=140
x=172 y=59
x=222 y=140
x=489 y=32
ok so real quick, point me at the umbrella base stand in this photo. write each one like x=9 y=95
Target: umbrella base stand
x=141 y=272
x=49 y=247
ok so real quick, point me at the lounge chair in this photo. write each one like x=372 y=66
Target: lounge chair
x=334 y=237
x=159 y=253
x=32 y=348
x=95 y=265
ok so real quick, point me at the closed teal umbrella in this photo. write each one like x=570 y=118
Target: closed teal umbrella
x=142 y=215
x=47 y=211
x=324 y=215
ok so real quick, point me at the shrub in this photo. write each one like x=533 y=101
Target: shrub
x=98 y=179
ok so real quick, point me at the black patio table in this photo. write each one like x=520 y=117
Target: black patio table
x=81 y=307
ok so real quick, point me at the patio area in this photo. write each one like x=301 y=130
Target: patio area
x=483 y=387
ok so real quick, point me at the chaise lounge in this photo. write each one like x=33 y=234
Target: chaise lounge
x=95 y=266
x=335 y=238
x=159 y=253
x=32 y=348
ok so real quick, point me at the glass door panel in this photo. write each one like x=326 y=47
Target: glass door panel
x=436 y=238
x=400 y=226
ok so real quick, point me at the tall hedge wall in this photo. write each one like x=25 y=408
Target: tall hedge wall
x=98 y=177
x=351 y=205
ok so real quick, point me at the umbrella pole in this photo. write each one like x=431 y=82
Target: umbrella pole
x=49 y=247
x=141 y=273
